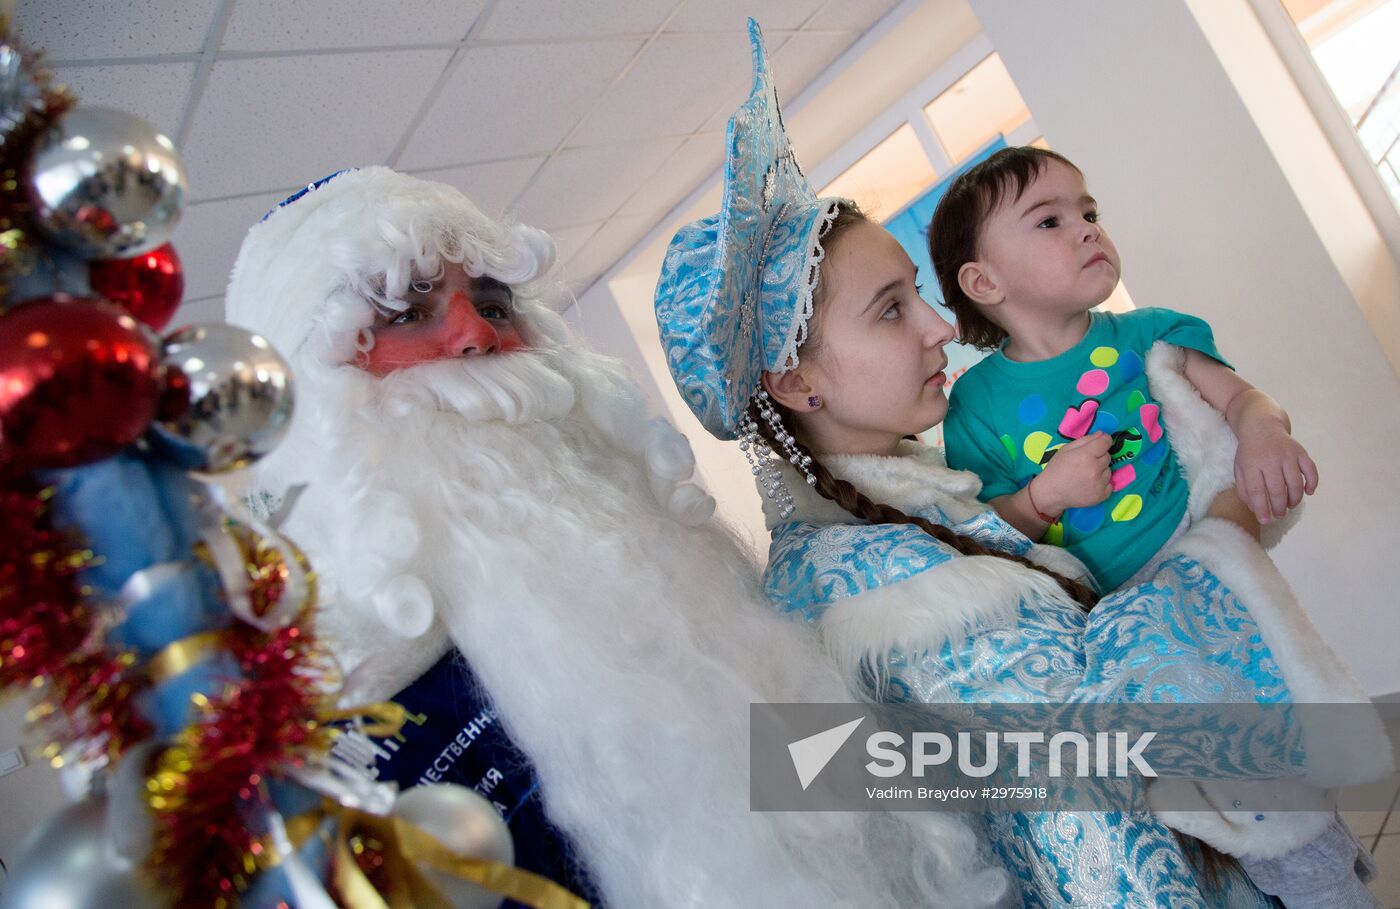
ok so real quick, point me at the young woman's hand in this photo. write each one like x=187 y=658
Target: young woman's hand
x=1077 y=476
x=1272 y=470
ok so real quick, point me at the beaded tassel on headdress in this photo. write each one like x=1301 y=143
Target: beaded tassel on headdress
x=762 y=461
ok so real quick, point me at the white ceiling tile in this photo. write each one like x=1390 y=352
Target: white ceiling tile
x=493 y=185
x=83 y=30
x=501 y=102
x=577 y=288
x=562 y=295
x=708 y=15
x=805 y=57
x=284 y=121
x=795 y=61
x=720 y=118
x=694 y=161
x=530 y=19
x=208 y=238
x=858 y=15
x=610 y=243
x=580 y=285
x=582 y=185
x=567 y=292
x=157 y=92
x=569 y=240
x=260 y=25
x=677 y=83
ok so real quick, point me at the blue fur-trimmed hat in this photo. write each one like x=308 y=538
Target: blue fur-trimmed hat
x=735 y=292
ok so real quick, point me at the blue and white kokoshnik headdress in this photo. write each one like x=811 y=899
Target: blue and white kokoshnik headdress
x=735 y=293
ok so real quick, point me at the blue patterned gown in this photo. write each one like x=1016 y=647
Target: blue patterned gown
x=1182 y=636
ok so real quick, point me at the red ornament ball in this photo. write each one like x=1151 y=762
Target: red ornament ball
x=79 y=381
x=149 y=286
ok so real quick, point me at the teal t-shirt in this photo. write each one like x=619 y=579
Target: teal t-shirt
x=1007 y=418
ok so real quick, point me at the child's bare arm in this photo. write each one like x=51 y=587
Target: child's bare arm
x=1231 y=507
x=1272 y=470
x=1077 y=476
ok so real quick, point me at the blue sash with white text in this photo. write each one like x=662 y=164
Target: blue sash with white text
x=454 y=735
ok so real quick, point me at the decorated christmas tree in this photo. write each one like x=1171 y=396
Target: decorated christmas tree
x=165 y=635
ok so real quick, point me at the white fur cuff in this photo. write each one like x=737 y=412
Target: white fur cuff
x=1203 y=441
x=1200 y=809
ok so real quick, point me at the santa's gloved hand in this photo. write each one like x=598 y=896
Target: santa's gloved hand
x=670 y=464
x=668 y=453
x=691 y=505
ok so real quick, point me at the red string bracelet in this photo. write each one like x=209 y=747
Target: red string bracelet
x=1034 y=507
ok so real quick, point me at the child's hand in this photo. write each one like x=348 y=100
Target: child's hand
x=1272 y=471
x=1077 y=476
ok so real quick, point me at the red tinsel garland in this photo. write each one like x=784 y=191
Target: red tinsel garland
x=207 y=788
x=47 y=635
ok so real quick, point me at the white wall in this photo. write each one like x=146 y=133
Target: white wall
x=1208 y=221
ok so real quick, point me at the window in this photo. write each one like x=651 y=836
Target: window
x=978 y=107
x=1356 y=45
x=888 y=177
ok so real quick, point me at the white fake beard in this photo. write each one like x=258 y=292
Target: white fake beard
x=515 y=388
x=622 y=648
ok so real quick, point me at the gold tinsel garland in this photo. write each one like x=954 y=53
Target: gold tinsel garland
x=29 y=105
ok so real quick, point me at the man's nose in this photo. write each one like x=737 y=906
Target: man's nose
x=468 y=334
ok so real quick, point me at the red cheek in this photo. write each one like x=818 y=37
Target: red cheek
x=393 y=351
x=460 y=332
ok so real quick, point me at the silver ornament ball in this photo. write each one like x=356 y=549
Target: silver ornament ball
x=106 y=184
x=69 y=861
x=18 y=90
x=240 y=398
x=467 y=824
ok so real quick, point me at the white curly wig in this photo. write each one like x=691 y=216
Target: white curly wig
x=311 y=272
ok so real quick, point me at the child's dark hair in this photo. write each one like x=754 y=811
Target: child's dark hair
x=956 y=229
x=845 y=494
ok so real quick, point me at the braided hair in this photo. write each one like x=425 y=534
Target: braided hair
x=846 y=495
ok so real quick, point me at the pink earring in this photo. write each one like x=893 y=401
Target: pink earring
x=814 y=401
